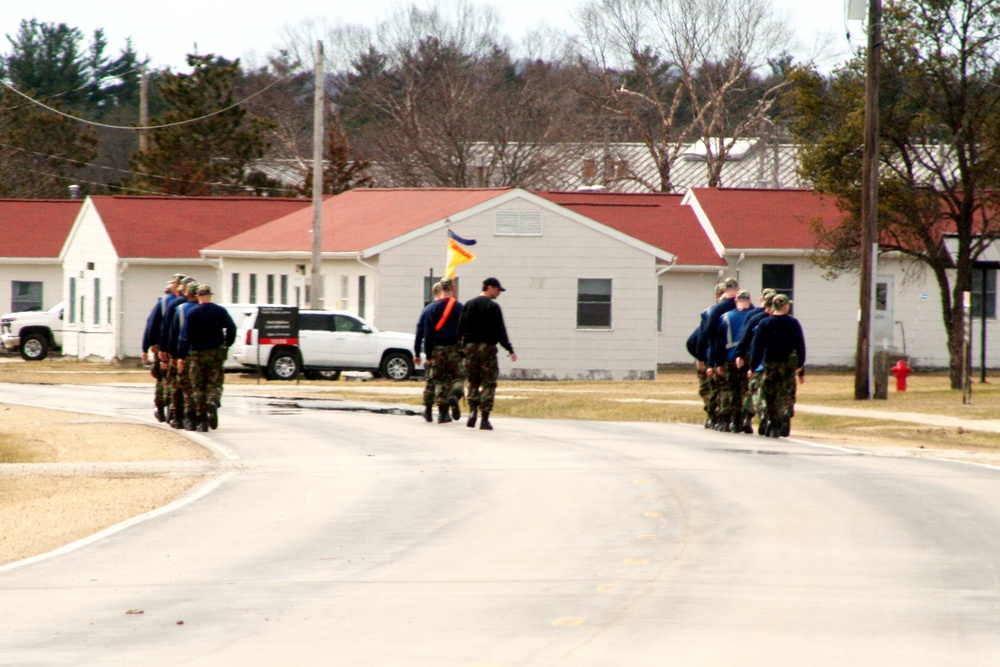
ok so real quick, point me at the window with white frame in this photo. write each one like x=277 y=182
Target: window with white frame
x=593 y=303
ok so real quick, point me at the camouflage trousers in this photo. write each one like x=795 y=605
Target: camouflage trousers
x=161 y=397
x=734 y=388
x=205 y=369
x=705 y=390
x=174 y=397
x=716 y=385
x=446 y=376
x=482 y=372
x=428 y=383
x=778 y=391
x=184 y=391
x=752 y=400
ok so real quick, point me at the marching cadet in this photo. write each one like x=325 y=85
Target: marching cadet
x=707 y=337
x=151 y=344
x=481 y=329
x=209 y=332
x=701 y=366
x=752 y=404
x=168 y=364
x=440 y=343
x=780 y=346
x=428 y=367
x=734 y=382
x=183 y=392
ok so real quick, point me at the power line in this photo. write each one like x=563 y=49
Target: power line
x=73 y=90
x=151 y=127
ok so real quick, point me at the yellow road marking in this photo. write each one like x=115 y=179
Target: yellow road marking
x=649 y=536
x=654 y=515
x=608 y=588
x=568 y=621
x=636 y=561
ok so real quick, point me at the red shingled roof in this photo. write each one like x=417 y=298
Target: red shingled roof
x=179 y=227
x=36 y=227
x=359 y=219
x=654 y=218
x=748 y=218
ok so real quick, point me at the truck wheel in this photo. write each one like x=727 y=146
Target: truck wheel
x=396 y=366
x=284 y=365
x=34 y=347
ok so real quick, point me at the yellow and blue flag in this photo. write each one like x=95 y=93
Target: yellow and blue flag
x=457 y=254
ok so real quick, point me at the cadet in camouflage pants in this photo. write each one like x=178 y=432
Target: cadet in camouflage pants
x=482 y=372
x=446 y=374
x=205 y=372
x=778 y=392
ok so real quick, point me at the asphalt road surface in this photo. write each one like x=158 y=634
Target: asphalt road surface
x=361 y=539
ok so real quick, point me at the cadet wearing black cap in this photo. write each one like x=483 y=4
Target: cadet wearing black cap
x=480 y=329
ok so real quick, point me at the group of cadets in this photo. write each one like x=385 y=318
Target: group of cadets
x=748 y=361
x=460 y=346
x=189 y=337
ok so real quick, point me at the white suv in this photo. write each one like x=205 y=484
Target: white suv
x=329 y=341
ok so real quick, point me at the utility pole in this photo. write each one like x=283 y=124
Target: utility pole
x=319 y=97
x=869 y=204
x=143 y=109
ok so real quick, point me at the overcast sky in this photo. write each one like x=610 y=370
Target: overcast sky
x=167 y=31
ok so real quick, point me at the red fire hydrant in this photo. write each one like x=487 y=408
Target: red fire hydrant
x=901 y=371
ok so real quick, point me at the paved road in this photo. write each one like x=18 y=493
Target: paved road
x=358 y=539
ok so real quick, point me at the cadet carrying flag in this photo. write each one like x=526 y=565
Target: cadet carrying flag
x=457 y=254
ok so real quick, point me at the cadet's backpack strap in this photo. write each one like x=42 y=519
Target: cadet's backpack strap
x=444 y=316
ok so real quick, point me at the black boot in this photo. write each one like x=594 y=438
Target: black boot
x=473 y=413
x=484 y=423
x=443 y=416
x=748 y=423
x=176 y=417
x=429 y=412
x=213 y=415
x=189 y=423
x=160 y=415
x=201 y=423
x=456 y=412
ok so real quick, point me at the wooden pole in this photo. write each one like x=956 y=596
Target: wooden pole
x=319 y=96
x=143 y=109
x=869 y=204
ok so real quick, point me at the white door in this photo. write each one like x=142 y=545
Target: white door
x=353 y=346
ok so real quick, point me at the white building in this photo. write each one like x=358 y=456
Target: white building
x=121 y=251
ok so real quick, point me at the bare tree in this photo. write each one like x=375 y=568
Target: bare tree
x=434 y=97
x=670 y=71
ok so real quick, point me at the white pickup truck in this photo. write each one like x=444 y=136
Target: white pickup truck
x=33 y=332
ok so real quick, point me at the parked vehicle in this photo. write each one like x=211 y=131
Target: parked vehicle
x=329 y=341
x=239 y=312
x=33 y=333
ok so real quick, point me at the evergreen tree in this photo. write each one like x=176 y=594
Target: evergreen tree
x=209 y=155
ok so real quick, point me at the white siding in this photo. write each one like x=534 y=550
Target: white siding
x=89 y=255
x=540 y=274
